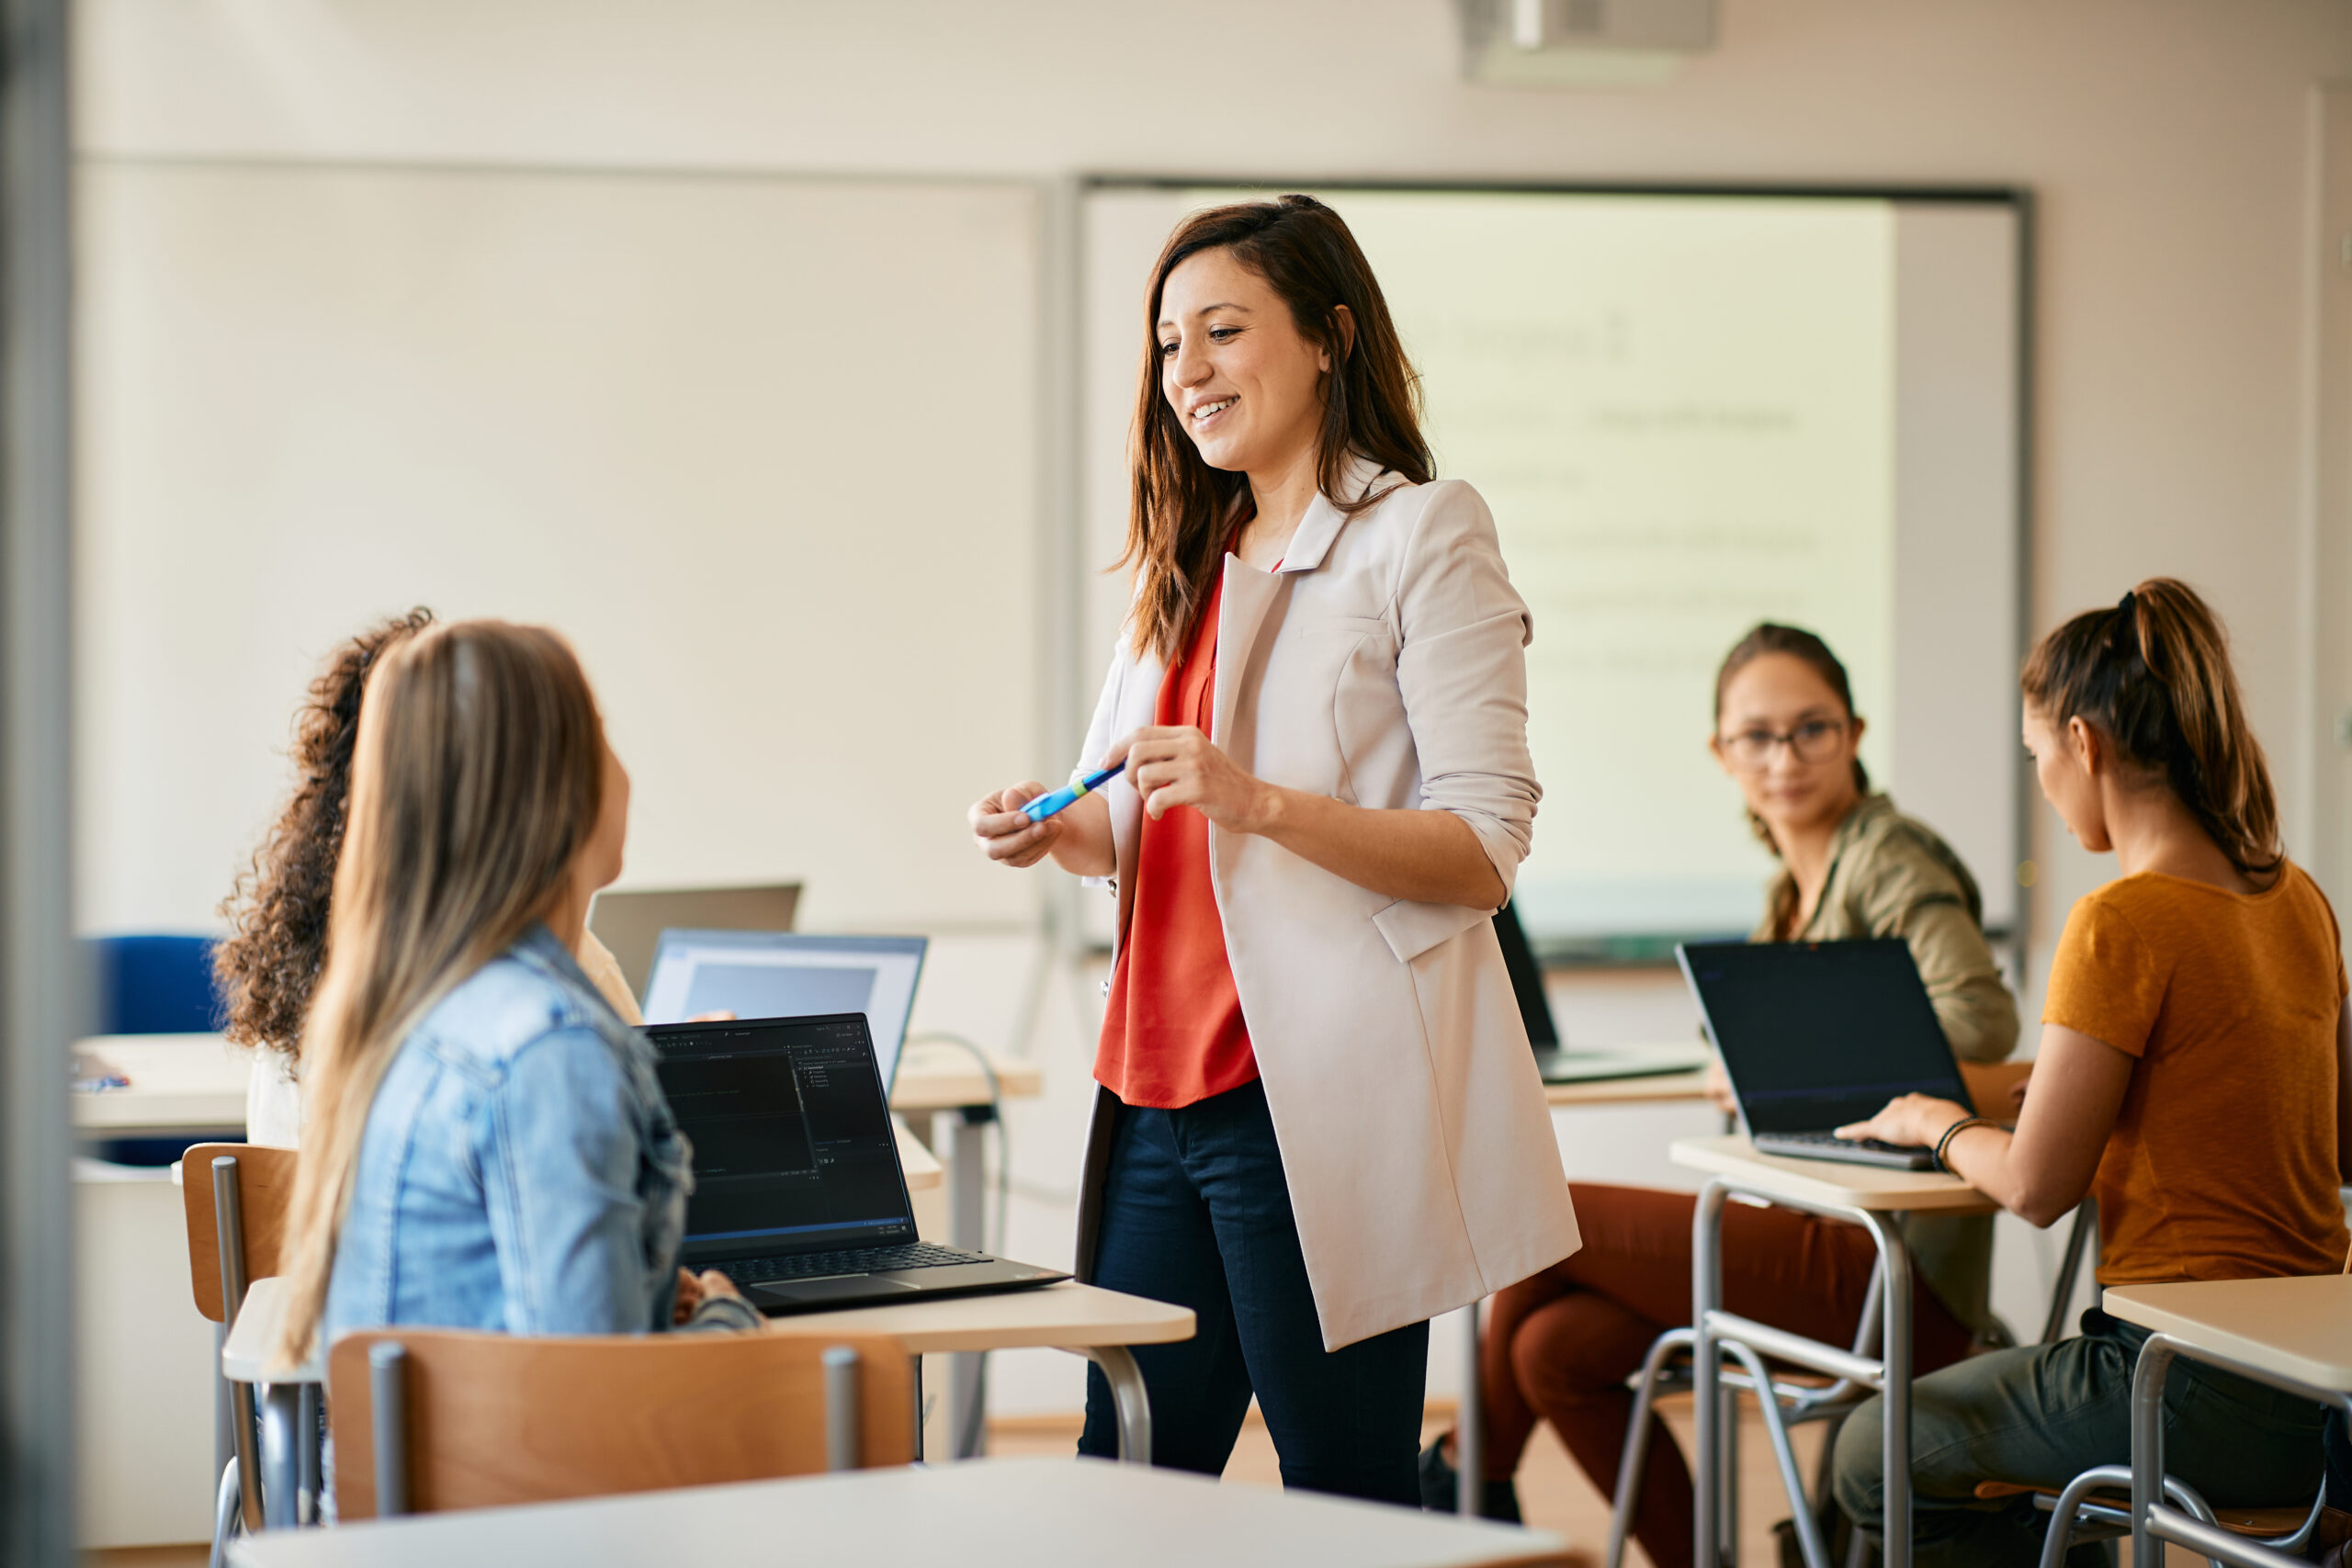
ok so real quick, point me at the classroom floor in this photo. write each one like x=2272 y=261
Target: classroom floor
x=1551 y=1490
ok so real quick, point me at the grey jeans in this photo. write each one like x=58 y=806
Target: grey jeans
x=2042 y=1415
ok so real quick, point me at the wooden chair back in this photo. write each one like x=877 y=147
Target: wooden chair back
x=265 y=1190
x=494 y=1419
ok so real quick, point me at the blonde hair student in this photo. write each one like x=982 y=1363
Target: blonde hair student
x=2195 y=1076
x=487 y=1147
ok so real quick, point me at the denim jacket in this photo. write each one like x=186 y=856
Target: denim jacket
x=520 y=1169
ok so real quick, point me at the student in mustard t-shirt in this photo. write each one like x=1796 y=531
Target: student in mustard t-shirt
x=2195 y=1076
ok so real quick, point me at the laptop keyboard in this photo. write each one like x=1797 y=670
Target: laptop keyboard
x=1831 y=1141
x=857 y=1260
x=1858 y=1151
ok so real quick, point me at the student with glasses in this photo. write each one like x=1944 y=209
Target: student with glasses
x=1560 y=1346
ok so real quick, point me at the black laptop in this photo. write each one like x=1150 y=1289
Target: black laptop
x=1819 y=1034
x=1555 y=1062
x=799 y=1197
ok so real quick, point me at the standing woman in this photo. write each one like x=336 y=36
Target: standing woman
x=1319 y=1122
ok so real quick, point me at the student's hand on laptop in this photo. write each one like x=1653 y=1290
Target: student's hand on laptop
x=721 y=1016
x=693 y=1289
x=1716 y=1086
x=1909 y=1120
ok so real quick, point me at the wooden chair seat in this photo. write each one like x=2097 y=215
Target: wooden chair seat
x=2257 y=1524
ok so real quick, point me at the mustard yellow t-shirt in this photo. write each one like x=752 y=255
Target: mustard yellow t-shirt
x=2223 y=1164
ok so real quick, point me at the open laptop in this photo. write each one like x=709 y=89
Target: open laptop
x=1819 y=1035
x=799 y=1197
x=1555 y=1062
x=778 y=974
x=630 y=922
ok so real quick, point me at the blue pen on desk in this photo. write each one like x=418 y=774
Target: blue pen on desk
x=1044 y=805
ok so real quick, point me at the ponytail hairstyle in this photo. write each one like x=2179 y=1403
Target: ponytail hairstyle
x=2152 y=676
x=1797 y=643
x=477 y=778
x=1180 y=511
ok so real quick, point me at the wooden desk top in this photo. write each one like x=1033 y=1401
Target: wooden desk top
x=944 y=1078
x=2300 y=1328
x=193 y=1083
x=986 y=1513
x=1665 y=1088
x=196 y=1083
x=1869 y=1186
x=1067 y=1316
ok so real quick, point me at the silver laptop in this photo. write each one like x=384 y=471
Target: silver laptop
x=630 y=922
x=778 y=974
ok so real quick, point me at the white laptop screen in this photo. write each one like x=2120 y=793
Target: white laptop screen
x=780 y=975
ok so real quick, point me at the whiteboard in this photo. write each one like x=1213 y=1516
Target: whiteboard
x=1690 y=412
x=766 y=449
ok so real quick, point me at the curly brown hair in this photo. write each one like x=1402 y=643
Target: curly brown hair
x=278 y=911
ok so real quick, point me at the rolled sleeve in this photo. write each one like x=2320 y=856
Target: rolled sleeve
x=1462 y=671
x=561 y=1182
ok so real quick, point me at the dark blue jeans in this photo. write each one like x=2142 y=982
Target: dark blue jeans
x=1196 y=1211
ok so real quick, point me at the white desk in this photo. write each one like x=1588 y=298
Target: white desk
x=1010 y=1513
x=2293 y=1334
x=1870 y=1196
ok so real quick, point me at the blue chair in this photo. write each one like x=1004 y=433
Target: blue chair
x=156 y=985
x=152 y=985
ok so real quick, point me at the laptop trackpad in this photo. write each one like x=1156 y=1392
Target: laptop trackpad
x=802 y=1292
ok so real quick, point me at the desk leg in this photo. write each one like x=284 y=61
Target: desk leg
x=281 y=1445
x=967 y=1211
x=1470 y=1425
x=1706 y=1296
x=2148 y=1443
x=1130 y=1398
x=1894 y=1356
x=309 y=1481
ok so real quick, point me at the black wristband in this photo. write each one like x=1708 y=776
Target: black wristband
x=1954 y=1130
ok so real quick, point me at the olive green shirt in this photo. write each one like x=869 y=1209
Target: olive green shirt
x=1891 y=877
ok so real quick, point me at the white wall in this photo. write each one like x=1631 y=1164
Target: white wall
x=2165 y=139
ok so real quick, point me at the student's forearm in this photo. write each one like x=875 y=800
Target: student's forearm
x=1989 y=1160
x=1430 y=857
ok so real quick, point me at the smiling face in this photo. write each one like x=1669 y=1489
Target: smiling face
x=2063 y=764
x=1788 y=740
x=1244 y=382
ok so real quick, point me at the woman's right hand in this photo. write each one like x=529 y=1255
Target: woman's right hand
x=1716 y=1087
x=1004 y=834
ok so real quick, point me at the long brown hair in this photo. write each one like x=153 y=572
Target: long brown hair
x=278 y=911
x=1182 y=510
x=2153 y=675
x=477 y=778
x=1767 y=636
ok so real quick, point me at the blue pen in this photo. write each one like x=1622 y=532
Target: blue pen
x=1044 y=805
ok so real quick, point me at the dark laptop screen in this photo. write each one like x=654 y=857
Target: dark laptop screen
x=793 y=1146
x=1817 y=1034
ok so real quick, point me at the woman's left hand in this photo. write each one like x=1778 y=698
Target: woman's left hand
x=1909 y=1119
x=1177 y=765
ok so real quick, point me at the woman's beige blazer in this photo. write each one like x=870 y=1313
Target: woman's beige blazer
x=1384 y=664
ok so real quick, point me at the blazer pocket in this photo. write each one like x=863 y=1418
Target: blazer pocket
x=1412 y=928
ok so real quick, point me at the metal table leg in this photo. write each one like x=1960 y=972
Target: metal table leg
x=967 y=1229
x=1130 y=1398
x=1470 y=1425
x=1706 y=1370
x=1895 y=1388
x=281 y=1441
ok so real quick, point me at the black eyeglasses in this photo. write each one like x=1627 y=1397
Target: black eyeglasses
x=1814 y=740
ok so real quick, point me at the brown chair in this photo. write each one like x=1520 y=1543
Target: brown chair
x=235 y=1196
x=433 y=1419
